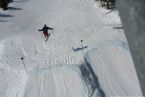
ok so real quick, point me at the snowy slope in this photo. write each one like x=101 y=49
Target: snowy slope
x=52 y=68
x=115 y=71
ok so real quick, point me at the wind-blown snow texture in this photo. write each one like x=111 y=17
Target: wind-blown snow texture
x=52 y=68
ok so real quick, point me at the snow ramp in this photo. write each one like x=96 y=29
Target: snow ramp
x=116 y=75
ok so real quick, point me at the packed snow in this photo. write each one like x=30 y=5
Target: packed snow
x=114 y=72
x=32 y=67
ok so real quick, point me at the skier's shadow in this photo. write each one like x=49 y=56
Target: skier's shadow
x=78 y=49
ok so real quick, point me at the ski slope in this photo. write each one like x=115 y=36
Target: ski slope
x=121 y=81
x=52 y=68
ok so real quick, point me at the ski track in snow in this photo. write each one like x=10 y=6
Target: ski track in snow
x=52 y=66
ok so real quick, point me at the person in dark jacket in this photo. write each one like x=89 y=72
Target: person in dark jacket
x=45 y=31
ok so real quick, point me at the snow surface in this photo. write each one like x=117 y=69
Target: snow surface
x=114 y=72
x=52 y=68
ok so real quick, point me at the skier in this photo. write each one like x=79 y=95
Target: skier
x=45 y=31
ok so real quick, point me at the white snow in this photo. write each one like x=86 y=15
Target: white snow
x=115 y=70
x=56 y=81
x=52 y=66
